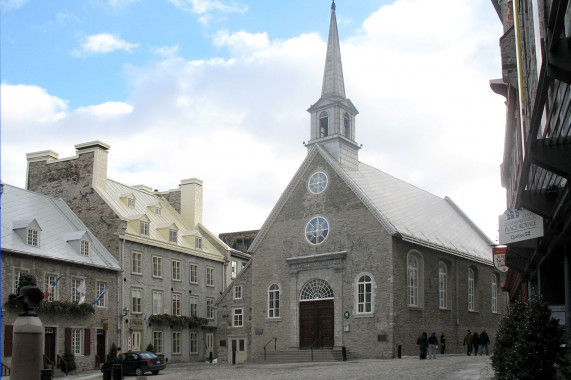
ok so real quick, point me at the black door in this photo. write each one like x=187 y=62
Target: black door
x=101 y=345
x=316 y=324
x=50 y=343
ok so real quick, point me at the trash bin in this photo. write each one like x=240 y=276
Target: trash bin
x=46 y=374
x=106 y=369
x=116 y=371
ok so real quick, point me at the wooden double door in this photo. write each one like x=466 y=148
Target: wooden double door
x=316 y=324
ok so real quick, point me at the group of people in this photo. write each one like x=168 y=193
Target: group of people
x=429 y=344
x=473 y=341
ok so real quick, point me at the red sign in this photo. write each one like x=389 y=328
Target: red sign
x=500 y=258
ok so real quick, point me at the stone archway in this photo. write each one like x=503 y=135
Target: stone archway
x=316 y=317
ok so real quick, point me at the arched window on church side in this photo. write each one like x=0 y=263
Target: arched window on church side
x=347 y=124
x=274 y=301
x=471 y=288
x=494 y=293
x=442 y=285
x=365 y=294
x=412 y=280
x=323 y=124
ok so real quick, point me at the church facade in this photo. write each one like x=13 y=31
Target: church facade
x=351 y=257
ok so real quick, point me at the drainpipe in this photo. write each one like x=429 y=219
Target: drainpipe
x=457 y=309
x=567 y=281
x=121 y=295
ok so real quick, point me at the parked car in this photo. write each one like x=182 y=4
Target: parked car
x=138 y=363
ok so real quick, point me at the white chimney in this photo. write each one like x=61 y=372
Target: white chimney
x=100 y=151
x=191 y=202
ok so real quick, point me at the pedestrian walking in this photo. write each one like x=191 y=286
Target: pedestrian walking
x=484 y=341
x=422 y=342
x=468 y=342
x=432 y=344
x=442 y=343
x=475 y=343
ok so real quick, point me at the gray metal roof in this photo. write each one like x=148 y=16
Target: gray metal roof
x=58 y=227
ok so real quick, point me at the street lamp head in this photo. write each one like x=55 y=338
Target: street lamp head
x=125 y=311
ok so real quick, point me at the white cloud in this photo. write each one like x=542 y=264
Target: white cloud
x=167 y=51
x=10 y=5
x=24 y=106
x=427 y=115
x=104 y=43
x=205 y=6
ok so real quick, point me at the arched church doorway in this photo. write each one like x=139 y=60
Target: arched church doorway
x=316 y=314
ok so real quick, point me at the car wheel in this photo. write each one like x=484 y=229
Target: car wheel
x=139 y=372
x=155 y=372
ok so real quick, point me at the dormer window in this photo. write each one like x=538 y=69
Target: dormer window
x=198 y=242
x=173 y=236
x=131 y=202
x=323 y=124
x=33 y=237
x=144 y=227
x=157 y=211
x=85 y=248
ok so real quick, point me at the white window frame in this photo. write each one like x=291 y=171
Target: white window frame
x=210 y=307
x=193 y=341
x=176 y=342
x=237 y=317
x=77 y=341
x=157 y=266
x=471 y=289
x=274 y=291
x=49 y=279
x=198 y=242
x=75 y=282
x=158 y=302
x=137 y=263
x=131 y=202
x=210 y=276
x=176 y=304
x=136 y=300
x=234 y=269
x=365 y=294
x=173 y=236
x=494 y=293
x=158 y=211
x=158 y=341
x=442 y=285
x=194 y=303
x=99 y=288
x=144 y=227
x=33 y=237
x=85 y=248
x=176 y=270
x=193 y=273
x=237 y=293
x=412 y=280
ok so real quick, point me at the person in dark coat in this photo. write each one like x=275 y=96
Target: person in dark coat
x=484 y=341
x=475 y=343
x=442 y=343
x=432 y=343
x=422 y=342
x=468 y=342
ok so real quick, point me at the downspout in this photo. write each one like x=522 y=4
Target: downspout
x=457 y=308
x=122 y=292
x=567 y=281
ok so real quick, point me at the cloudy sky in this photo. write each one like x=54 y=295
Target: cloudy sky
x=218 y=90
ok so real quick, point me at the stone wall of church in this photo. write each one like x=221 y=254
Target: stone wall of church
x=454 y=319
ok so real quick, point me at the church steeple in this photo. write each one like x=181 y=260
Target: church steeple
x=333 y=116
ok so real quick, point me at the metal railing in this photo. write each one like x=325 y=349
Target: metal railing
x=5 y=370
x=49 y=363
x=97 y=361
x=60 y=361
x=314 y=342
x=275 y=339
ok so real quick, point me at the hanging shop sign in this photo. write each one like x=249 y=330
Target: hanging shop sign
x=500 y=258
x=519 y=225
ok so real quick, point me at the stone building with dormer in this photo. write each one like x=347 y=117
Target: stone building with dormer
x=352 y=257
x=173 y=266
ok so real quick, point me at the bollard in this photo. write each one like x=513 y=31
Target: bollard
x=116 y=371
x=210 y=357
x=399 y=351
x=234 y=357
x=344 y=352
x=46 y=374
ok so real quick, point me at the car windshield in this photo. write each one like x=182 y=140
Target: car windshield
x=148 y=355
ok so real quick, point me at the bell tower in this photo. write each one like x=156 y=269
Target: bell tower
x=333 y=116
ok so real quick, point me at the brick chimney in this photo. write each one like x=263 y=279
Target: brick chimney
x=191 y=202
x=100 y=151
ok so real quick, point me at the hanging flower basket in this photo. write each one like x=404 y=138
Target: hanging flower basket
x=59 y=307
x=177 y=320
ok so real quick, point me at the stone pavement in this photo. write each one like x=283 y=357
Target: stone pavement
x=443 y=368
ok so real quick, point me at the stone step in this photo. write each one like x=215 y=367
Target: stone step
x=294 y=356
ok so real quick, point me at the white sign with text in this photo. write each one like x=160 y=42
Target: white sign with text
x=519 y=225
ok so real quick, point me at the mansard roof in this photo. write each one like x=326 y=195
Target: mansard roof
x=403 y=210
x=59 y=225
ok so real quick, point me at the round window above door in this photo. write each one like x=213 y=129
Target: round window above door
x=316 y=230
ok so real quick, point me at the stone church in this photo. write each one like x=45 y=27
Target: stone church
x=351 y=257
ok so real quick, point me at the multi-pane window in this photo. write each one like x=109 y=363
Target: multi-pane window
x=175 y=301
x=209 y=276
x=234 y=269
x=442 y=285
x=158 y=342
x=176 y=273
x=194 y=306
x=364 y=294
x=172 y=236
x=157 y=267
x=470 y=289
x=75 y=289
x=76 y=341
x=17 y=274
x=136 y=301
x=157 y=302
x=209 y=308
x=33 y=237
x=100 y=288
x=193 y=342
x=136 y=263
x=274 y=301
x=131 y=202
x=237 y=317
x=144 y=225
x=158 y=211
x=176 y=342
x=237 y=292
x=84 y=248
x=51 y=291
x=198 y=242
x=494 y=293
x=193 y=273
x=412 y=280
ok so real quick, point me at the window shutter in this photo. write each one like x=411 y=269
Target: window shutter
x=8 y=339
x=87 y=342
x=68 y=338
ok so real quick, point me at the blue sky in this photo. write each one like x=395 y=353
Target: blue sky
x=219 y=89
